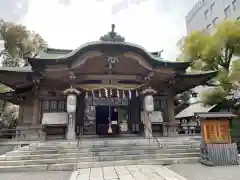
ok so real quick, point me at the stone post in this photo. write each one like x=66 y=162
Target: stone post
x=71 y=127
x=148 y=109
x=71 y=109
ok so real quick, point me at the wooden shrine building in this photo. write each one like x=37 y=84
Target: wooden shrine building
x=110 y=75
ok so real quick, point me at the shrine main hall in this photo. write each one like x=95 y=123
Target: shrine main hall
x=109 y=77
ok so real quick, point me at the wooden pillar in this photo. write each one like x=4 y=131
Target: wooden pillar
x=20 y=115
x=36 y=109
x=134 y=118
x=172 y=130
x=80 y=114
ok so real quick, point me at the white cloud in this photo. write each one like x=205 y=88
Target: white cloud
x=153 y=24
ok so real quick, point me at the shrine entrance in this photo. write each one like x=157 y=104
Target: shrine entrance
x=106 y=120
x=109 y=116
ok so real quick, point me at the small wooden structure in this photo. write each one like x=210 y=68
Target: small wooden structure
x=216 y=146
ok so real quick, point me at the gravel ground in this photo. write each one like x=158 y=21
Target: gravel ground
x=56 y=175
x=201 y=172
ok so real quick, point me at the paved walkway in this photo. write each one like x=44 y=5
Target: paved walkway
x=200 y=172
x=138 y=172
x=57 y=175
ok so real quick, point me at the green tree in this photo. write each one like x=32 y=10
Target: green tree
x=19 y=42
x=235 y=73
x=215 y=51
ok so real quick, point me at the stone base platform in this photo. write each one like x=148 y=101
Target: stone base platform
x=73 y=155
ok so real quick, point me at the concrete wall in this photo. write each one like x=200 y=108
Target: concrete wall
x=197 y=20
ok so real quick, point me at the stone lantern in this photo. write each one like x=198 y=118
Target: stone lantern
x=72 y=94
x=148 y=109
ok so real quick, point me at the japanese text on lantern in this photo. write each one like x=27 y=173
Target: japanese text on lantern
x=216 y=131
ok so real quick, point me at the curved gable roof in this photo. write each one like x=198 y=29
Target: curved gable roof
x=69 y=57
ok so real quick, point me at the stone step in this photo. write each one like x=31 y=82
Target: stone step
x=114 y=142
x=107 y=150
x=131 y=141
x=39 y=147
x=20 y=155
x=66 y=159
x=74 y=166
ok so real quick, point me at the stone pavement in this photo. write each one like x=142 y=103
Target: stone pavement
x=56 y=175
x=132 y=172
x=200 y=172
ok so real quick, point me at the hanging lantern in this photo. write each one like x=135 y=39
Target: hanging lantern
x=71 y=103
x=149 y=103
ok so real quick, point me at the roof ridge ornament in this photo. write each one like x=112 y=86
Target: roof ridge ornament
x=112 y=36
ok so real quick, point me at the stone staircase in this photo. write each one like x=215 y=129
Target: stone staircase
x=65 y=155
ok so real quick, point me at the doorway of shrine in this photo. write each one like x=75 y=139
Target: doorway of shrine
x=111 y=117
x=107 y=120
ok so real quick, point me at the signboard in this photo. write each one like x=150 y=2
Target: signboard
x=111 y=101
x=55 y=118
x=157 y=117
x=216 y=131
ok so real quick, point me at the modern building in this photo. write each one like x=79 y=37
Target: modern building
x=110 y=76
x=206 y=14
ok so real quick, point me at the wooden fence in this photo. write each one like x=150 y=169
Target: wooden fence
x=220 y=154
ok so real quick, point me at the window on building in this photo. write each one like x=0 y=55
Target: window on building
x=61 y=106
x=53 y=106
x=157 y=106
x=45 y=106
x=227 y=12
x=206 y=14
x=212 y=6
x=234 y=5
x=215 y=21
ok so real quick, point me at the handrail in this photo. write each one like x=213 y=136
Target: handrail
x=152 y=135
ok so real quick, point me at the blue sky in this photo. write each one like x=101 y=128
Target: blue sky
x=153 y=24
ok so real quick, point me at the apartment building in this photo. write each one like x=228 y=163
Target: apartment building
x=206 y=14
